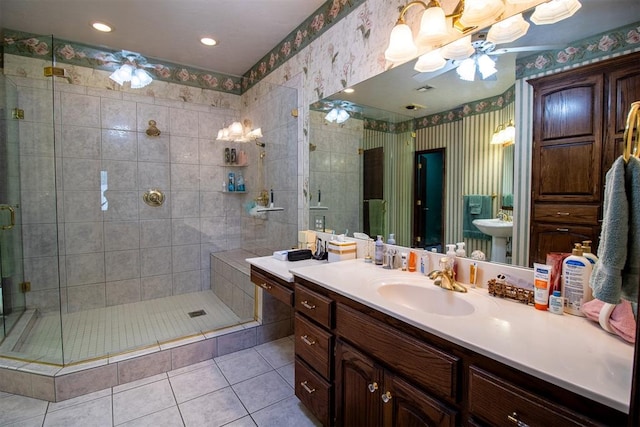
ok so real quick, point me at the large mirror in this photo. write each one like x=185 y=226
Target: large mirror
x=415 y=152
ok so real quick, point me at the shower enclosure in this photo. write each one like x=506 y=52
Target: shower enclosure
x=89 y=270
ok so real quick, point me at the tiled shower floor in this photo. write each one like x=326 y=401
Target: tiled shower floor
x=105 y=331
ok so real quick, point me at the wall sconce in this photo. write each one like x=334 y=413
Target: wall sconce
x=505 y=134
x=132 y=71
x=239 y=132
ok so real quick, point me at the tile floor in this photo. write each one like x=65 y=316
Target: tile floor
x=252 y=387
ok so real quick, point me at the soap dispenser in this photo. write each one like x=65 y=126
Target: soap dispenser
x=586 y=252
x=451 y=254
x=576 y=271
x=460 y=251
x=392 y=239
x=379 y=251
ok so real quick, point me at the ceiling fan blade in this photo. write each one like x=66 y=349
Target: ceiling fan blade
x=504 y=50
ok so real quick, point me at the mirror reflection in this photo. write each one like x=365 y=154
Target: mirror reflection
x=420 y=151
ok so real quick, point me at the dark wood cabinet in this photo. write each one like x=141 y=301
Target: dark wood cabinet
x=369 y=395
x=578 y=122
x=278 y=288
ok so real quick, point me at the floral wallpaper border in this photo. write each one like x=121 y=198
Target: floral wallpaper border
x=612 y=41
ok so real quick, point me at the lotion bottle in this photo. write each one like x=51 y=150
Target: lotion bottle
x=379 y=251
x=576 y=271
x=461 y=252
x=451 y=254
x=586 y=252
x=392 y=239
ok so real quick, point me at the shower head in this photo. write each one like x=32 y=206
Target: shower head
x=260 y=144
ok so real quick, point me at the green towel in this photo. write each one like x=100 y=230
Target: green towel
x=376 y=217
x=507 y=200
x=631 y=271
x=475 y=204
x=606 y=278
x=468 y=229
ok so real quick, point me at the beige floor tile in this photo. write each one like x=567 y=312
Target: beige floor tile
x=197 y=383
x=214 y=409
x=242 y=365
x=261 y=391
x=142 y=400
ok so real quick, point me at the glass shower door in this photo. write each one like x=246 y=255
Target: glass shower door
x=12 y=299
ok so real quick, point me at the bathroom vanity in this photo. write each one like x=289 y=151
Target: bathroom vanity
x=385 y=347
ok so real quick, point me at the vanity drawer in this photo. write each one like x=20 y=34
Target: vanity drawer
x=427 y=366
x=500 y=403
x=313 y=391
x=314 y=345
x=566 y=214
x=272 y=286
x=314 y=305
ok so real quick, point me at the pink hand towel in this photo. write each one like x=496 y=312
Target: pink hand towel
x=622 y=321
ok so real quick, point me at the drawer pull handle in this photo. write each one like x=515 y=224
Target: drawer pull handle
x=386 y=397
x=373 y=387
x=265 y=286
x=306 y=305
x=306 y=340
x=513 y=418
x=307 y=388
x=563 y=213
x=563 y=230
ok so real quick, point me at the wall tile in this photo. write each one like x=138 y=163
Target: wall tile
x=82 y=206
x=183 y=122
x=81 y=174
x=118 y=114
x=121 y=175
x=80 y=110
x=81 y=142
x=153 y=175
x=39 y=240
x=37 y=173
x=85 y=268
x=123 y=292
x=83 y=237
x=155 y=212
x=121 y=235
x=38 y=206
x=236 y=341
x=186 y=281
x=155 y=261
x=121 y=265
x=85 y=382
x=144 y=366
x=193 y=353
x=41 y=272
x=123 y=205
x=148 y=112
x=86 y=297
x=186 y=204
x=156 y=286
x=184 y=149
x=119 y=144
x=155 y=232
x=185 y=231
x=36 y=139
x=186 y=258
x=185 y=177
x=153 y=149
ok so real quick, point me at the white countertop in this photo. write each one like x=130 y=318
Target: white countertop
x=568 y=351
x=281 y=268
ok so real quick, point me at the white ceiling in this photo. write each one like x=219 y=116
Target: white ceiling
x=168 y=29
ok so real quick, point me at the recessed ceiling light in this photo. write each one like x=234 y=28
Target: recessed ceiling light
x=349 y=90
x=208 y=41
x=101 y=26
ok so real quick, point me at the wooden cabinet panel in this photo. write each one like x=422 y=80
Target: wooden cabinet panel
x=409 y=406
x=429 y=367
x=624 y=87
x=313 y=391
x=314 y=305
x=271 y=285
x=358 y=388
x=501 y=403
x=566 y=213
x=547 y=238
x=314 y=345
x=568 y=111
x=567 y=172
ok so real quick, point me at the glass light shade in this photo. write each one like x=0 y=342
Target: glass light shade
x=433 y=27
x=225 y=134
x=401 y=46
x=429 y=62
x=220 y=136
x=343 y=116
x=255 y=134
x=236 y=130
x=459 y=49
x=554 y=11
x=486 y=65
x=509 y=133
x=140 y=79
x=496 y=138
x=481 y=12
x=467 y=69
x=508 y=30
x=331 y=115
x=122 y=74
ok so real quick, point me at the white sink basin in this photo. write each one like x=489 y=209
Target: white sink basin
x=428 y=299
x=494 y=227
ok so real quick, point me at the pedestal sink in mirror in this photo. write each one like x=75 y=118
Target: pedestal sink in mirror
x=499 y=230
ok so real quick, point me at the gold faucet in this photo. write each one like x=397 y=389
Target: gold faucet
x=503 y=216
x=445 y=278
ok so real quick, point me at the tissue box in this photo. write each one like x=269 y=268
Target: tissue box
x=280 y=255
x=341 y=251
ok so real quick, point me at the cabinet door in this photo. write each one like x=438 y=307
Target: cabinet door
x=358 y=382
x=567 y=139
x=405 y=405
x=547 y=238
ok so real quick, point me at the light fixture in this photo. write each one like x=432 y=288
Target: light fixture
x=132 y=70
x=433 y=30
x=208 y=41
x=508 y=30
x=239 y=132
x=479 y=13
x=101 y=26
x=459 y=49
x=505 y=134
x=349 y=90
x=338 y=115
x=430 y=61
x=554 y=11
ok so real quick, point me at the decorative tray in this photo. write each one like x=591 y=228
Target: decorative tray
x=503 y=290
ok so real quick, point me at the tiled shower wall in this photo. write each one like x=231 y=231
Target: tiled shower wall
x=130 y=251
